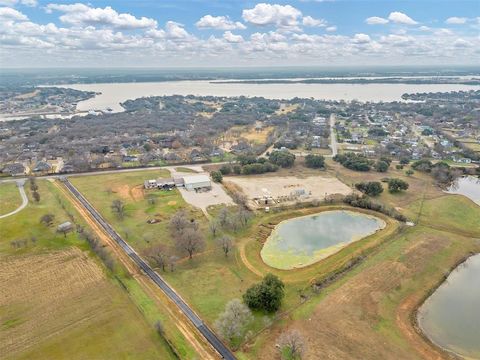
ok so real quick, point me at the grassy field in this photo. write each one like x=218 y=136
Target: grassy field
x=61 y=302
x=365 y=313
x=9 y=198
x=102 y=190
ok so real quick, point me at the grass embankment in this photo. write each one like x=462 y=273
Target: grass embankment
x=9 y=198
x=62 y=302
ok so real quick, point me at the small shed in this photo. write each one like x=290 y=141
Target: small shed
x=150 y=184
x=196 y=182
x=65 y=227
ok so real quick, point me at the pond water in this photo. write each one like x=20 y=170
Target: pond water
x=468 y=186
x=305 y=240
x=451 y=316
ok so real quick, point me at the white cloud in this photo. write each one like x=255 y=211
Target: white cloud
x=12 y=14
x=456 y=20
x=401 y=18
x=310 y=21
x=219 y=22
x=30 y=3
x=83 y=15
x=424 y=28
x=176 y=31
x=232 y=38
x=397 y=40
x=331 y=28
x=461 y=43
x=282 y=16
x=361 y=39
x=375 y=20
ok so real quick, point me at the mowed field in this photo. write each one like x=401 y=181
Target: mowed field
x=9 y=198
x=57 y=300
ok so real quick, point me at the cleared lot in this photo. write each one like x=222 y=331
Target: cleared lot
x=315 y=187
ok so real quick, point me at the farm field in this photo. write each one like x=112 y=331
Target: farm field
x=9 y=198
x=61 y=302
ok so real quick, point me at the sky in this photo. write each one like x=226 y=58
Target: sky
x=225 y=33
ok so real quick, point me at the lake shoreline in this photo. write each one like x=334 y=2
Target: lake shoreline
x=414 y=316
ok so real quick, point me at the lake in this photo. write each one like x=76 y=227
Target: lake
x=305 y=240
x=451 y=316
x=113 y=94
x=468 y=186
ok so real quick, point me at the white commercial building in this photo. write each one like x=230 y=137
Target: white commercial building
x=196 y=182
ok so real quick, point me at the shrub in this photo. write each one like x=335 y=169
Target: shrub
x=381 y=166
x=216 y=176
x=353 y=161
x=284 y=159
x=371 y=188
x=396 y=185
x=315 y=161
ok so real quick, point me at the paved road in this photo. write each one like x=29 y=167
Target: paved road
x=100 y=172
x=21 y=189
x=209 y=335
x=333 y=136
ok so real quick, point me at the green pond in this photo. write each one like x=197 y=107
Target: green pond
x=305 y=240
x=451 y=316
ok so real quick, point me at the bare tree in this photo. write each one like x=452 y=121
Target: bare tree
x=292 y=345
x=47 y=219
x=244 y=216
x=232 y=322
x=239 y=198
x=213 y=227
x=226 y=243
x=191 y=241
x=33 y=184
x=118 y=208
x=36 y=196
x=159 y=256
x=171 y=262
x=223 y=216
x=178 y=222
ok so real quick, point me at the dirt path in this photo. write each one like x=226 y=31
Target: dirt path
x=21 y=189
x=245 y=261
x=183 y=325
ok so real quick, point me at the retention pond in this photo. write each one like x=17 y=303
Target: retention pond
x=305 y=240
x=451 y=317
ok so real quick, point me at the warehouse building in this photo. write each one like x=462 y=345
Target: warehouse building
x=197 y=182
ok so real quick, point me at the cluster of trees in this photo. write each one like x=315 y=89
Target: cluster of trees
x=118 y=208
x=34 y=189
x=370 y=188
x=161 y=257
x=101 y=251
x=284 y=159
x=266 y=295
x=186 y=233
x=315 y=161
x=441 y=171
x=230 y=220
x=248 y=165
x=353 y=161
x=364 y=202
